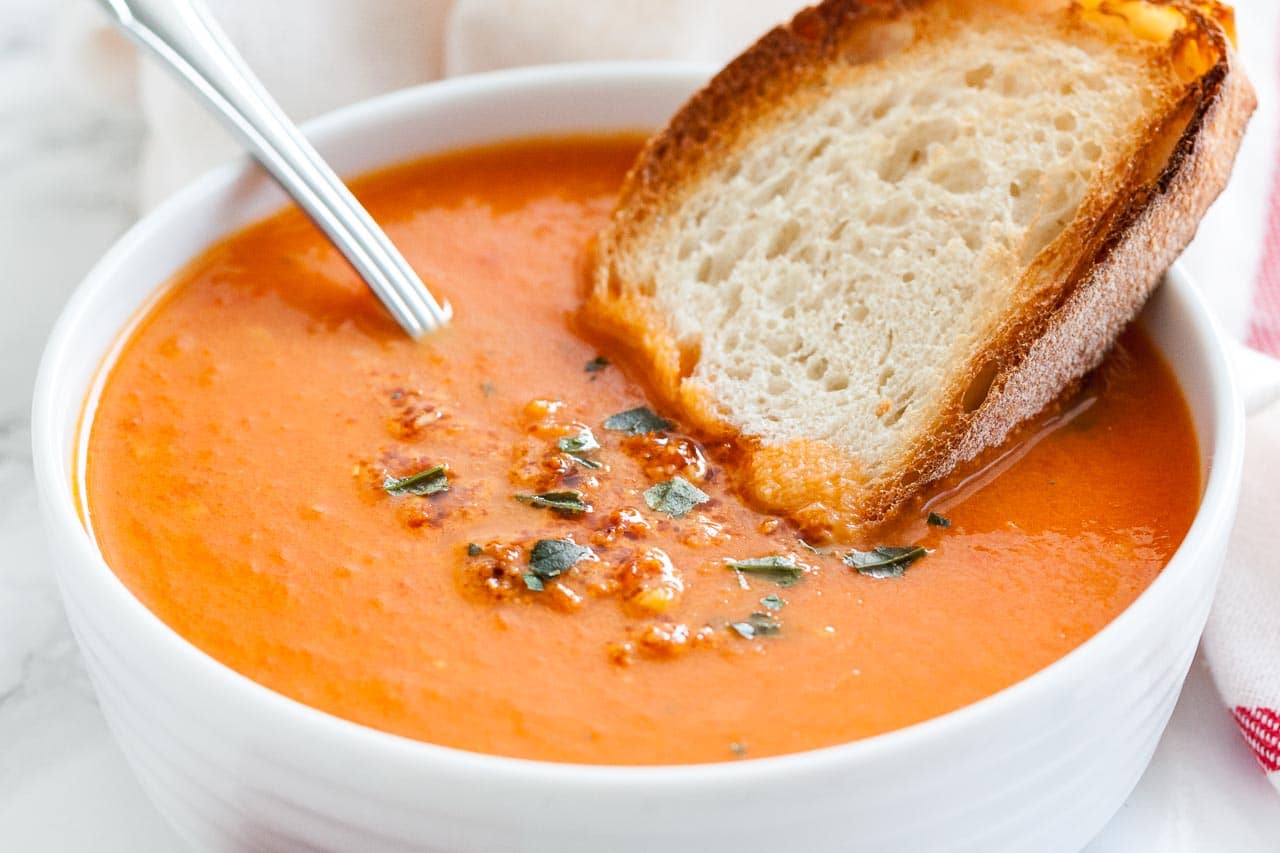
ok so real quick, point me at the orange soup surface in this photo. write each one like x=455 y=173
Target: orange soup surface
x=481 y=540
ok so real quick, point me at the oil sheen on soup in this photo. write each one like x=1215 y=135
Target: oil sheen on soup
x=488 y=540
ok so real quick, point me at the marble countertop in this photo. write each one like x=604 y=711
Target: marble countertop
x=67 y=185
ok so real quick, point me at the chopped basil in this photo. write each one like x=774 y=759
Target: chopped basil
x=638 y=421
x=884 y=562
x=757 y=625
x=564 y=503
x=474 y=550
x=781 y=570
x=936 y=520
x=552 y=557
x=773 y=602
x=533 y=582
x=429 y=482
x=596 y=364
x=575 y=446
x=675 y=497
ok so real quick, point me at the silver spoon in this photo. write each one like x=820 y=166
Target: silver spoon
x=183 y=35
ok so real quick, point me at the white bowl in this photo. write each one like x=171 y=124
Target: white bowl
x=1040 y=766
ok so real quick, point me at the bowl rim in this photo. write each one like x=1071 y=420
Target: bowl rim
x=89 y=572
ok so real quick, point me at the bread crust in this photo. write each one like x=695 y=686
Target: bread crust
x=1080 y=292
x=1145 y=240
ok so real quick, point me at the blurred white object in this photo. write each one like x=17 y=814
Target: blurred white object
x=484 y=35
x=313 y=55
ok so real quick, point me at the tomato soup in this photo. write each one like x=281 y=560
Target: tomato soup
x=490 y=540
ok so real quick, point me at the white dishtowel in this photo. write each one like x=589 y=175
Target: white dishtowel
x=315 y=55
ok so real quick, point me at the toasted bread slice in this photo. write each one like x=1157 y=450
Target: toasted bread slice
x=894 y=229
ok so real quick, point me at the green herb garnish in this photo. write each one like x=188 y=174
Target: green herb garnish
x=429 y=482
x=884 y=562
x=675 y=497
x=781 y=570
x=564 y=503
x=936 y=520
x=773 y=602
x=757 y=625
x=552 y=557
x=638 y=421
x=474 y=550
x=487 y=389
x=596 y=364
x=533 y=582
x=575 y=446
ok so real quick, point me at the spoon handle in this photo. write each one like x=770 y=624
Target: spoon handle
x=183 y=35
